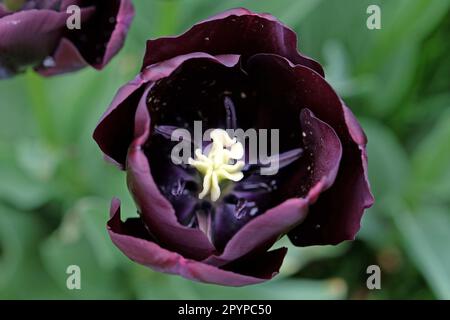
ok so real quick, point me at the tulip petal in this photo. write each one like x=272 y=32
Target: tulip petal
x=19 y=47
x=236 y=31
x=52 y=48
x=324 y=148
x=337 y=216
x=132 y=240
x=351 y=188
x=178 y=183
x=320 y=164
x=66 y=58
x=114 y=131
x=156 y=210
x=103 y=34
x=261 y=233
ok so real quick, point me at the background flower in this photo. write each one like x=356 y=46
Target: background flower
x=35 y=33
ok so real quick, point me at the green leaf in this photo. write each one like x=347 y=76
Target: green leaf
x=298 y=257
x=11 y=244
x=431 y=161
x=404 y=22
x=295 y=11
x=395 y=78
x=21 y=274
x=338 y=71
x=389 y=171
x=15 y=112
x=18 y=187
x=40 y=107
x=82 y=241
x=151 y=285
x=94 y=214
x=426 y=240
x=389 y=167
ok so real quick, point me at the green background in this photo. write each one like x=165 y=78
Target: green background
x=55 y=188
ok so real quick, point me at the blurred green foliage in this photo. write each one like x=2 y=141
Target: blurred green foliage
x=55 y=188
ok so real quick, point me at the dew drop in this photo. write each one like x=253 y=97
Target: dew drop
x=273 y=185
x=49 y=62
x=253 y=212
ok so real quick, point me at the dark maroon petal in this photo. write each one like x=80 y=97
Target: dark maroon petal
x=40 y=4
x=250 y=197
x=336 y=217
x=195 y=91
x=103 y=34
x=323 y=146
x=178 y=183
x=351 y=189
x=52 y=48
x=262 y=265
x=255 y=193
x=230 y=215
x=131 y=239
x=156 y=211
x=115 y=130
x=354 y=128
x=19 y=47
x=123 y=21
x=261 y=233
x=66 y=58
x=236 y=31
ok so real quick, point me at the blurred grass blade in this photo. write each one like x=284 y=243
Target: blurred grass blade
x=41 y=107
x=426 y=240
x=149 y=285
x=431 y=160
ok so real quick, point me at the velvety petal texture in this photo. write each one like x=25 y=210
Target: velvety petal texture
x=236 y=70
x=53 y=48
x=236 y=31
x=136 y=243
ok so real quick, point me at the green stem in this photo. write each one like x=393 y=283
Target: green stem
x=40 y=107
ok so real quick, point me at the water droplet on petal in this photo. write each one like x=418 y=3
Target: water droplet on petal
x=49 y=62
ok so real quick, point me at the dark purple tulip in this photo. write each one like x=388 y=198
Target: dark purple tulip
x=35 y=33
x=237 y=69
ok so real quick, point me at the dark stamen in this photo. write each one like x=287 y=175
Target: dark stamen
x=231 y=113
x=286 y=158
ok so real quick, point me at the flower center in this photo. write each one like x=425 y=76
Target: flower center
x=222 y=162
